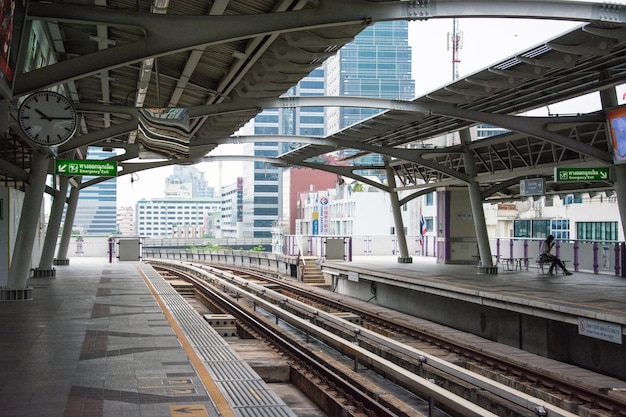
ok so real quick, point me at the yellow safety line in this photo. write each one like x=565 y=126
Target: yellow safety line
x=220 y=402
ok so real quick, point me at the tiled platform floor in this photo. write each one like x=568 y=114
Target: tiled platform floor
x=94 y=342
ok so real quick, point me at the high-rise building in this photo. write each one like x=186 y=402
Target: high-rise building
x=262 y=185
x=96 y=213
x=376 y=64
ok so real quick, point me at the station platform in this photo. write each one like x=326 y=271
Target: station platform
x=582 y=294
x=578 y=319
x=115 y=339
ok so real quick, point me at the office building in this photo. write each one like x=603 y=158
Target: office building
x=230 y=222
x=96 y=213
x=167 y=217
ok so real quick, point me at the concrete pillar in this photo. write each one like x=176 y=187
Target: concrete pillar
x=70 y=214
x=52 y=232
x=19 y=271
x=482 y=237
x=397 y=215
x=608 y=98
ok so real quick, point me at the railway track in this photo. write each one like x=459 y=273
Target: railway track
x=500 y=385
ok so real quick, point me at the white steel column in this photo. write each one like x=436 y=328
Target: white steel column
x=19 y=270
x=52 y=232
x=476 y=201
x=70 y=214
x=397 y=215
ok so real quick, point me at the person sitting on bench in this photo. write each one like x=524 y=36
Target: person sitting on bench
x=546 y=256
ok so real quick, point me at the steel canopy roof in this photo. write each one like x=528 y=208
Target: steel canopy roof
x=102 y=47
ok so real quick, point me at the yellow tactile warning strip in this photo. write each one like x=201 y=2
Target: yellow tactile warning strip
x=191 y=410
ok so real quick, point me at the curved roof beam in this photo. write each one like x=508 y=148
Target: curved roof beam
x=534 y=126
x=162 y=35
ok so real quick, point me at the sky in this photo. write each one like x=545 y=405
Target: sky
x=484 y=42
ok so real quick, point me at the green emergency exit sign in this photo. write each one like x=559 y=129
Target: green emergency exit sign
x=85 y=167
x=581 y=174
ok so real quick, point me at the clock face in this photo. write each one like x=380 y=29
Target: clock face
x=47 y=118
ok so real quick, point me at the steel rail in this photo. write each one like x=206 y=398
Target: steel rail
x=295 y=351
x=272 y=301
x=596 y=399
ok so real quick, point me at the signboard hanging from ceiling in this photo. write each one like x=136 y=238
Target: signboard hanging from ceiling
x=91 y=168
x=531 y=186
x=581 y=174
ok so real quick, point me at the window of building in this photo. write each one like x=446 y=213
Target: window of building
x=263 y=223
x=602 y=231
x=265 y=200
x=540 y=228
x=560 y=229
x=266 y=188
x=430 y=226
x=571 y=199
x=429 y=199
x=521 y=228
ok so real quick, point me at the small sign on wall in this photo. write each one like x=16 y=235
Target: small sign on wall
x=597 y=329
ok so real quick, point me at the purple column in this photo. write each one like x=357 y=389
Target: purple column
x=595 y=257
x=576 y=247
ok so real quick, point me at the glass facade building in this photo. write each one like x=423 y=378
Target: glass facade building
x=376 y=64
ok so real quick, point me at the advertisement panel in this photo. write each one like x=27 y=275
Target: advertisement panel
x=616 y=119
x=324 y=218
x=12 y=13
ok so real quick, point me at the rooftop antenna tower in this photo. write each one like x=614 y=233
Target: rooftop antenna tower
x=455 y=43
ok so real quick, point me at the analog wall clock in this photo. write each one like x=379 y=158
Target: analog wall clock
x=47 y=118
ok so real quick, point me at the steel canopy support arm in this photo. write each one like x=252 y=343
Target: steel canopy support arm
x=533 y=126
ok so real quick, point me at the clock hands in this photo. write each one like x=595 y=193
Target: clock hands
x=43 y=116
x=48 y=118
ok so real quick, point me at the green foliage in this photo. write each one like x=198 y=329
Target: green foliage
x=357 y=187
x=258 y=248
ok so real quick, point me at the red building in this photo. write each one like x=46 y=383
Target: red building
x=299 y=181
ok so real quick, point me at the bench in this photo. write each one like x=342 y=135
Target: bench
x=514 y=264
x=541 y=264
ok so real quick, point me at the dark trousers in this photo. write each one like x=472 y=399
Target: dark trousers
x=555 y=261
